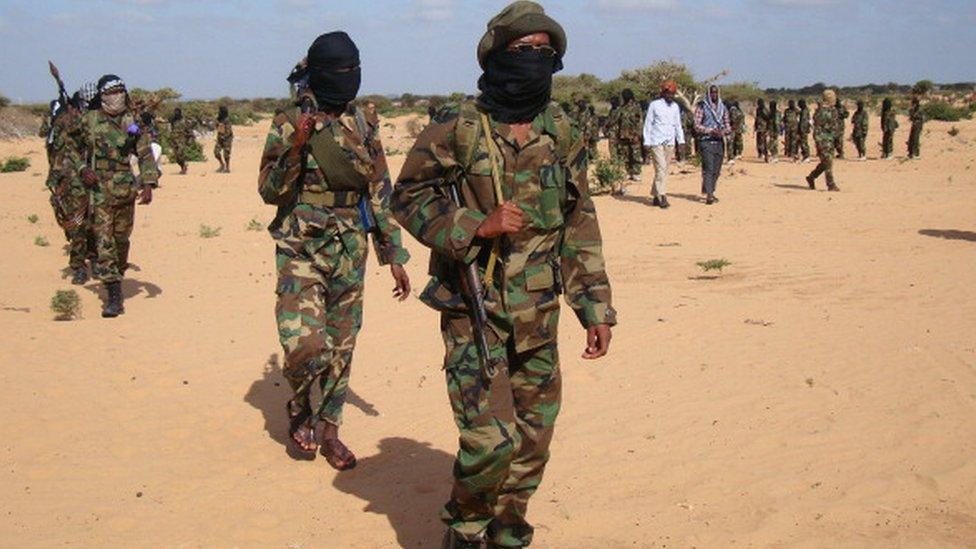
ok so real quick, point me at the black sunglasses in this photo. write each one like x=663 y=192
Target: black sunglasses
x=547 y=51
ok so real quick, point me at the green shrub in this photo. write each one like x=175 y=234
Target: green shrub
x=207 y=231
x=714 y=265
x=4 y=102
x=66 y=305
x=14 y=164
x=941 y=110
x=954 y=131
x=255 y=225
x=609 y=172
x=41 y=241
x=32 y=218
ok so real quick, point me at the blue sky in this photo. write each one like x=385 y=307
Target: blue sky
x=241 y=48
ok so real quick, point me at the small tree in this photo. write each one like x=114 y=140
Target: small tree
x=714 y=265
x=66 y=305
x=4 y=102
x=923 y=87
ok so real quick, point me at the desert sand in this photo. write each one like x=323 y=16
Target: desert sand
x=821 y=391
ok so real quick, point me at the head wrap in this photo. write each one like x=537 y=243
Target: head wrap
x=829 y=97
x=627 y=95
x=669 y=86
x=519 y=19
x=334 y=75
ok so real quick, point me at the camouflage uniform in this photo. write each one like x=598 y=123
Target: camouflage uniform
x=803 y=134
x=70 y=198
x=889 y=123
x=917 y=118
x=761 y=128
x=181 y=139
x=114 y=198
x=738 y=121
x=690 y=146
x=629 y=135
x=842 y=116
x=824 y=135
x=773 y=126
x=224 y=142
x=613 y=128
x=791 y=123
x=860 y=133
x=321 y=250
x=500 y=465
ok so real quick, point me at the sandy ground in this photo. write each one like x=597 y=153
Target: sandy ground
x=821 y=391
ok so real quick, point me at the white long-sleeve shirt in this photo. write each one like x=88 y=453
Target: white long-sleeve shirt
x=662 y=126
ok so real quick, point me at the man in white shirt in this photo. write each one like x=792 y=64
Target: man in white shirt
x=662 y=127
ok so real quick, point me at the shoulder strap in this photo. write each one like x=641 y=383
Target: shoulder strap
x=564 y=133
x=467 y=132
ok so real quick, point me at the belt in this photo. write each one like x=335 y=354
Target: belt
x=110 y=166
x=329 y=199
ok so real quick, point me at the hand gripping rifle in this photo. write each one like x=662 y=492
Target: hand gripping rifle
x=474 y=294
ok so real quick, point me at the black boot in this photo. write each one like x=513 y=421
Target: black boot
x=113 y=305
x=453 y=541
x=80 y=276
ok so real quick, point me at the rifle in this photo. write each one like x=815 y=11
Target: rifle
x=474 y=293
x=62 y=101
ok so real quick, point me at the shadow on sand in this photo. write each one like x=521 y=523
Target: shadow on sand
x=949 y=234
x=791 y=186
x=407 y=481
x=269 y=395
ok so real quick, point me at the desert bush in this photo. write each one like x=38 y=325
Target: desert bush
x=14 y=164
x=66 y=305
x=255 y=225
x=32 y=218
x=941 y=110
x=41 y=241
x=609 y=172
x=953 y=131
x=207 y=231
x=714 y=265
x=4 y=102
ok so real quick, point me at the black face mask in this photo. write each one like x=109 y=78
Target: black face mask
x=517 y=85
x=334 y=90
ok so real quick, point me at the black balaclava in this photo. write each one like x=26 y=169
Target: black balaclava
x=860 y=105
x=334 y=75
x=791 y=104
x=517 y=85
x=772 y=109
x=886 y=104
x=614 y=102
x=627 y=95
x=177 y=115
x=803 y=104
x=222 y=113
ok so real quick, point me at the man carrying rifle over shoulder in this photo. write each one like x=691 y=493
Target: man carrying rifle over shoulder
x=326 y=172
x=526 y=222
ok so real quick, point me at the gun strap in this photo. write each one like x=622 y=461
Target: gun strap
x=495 y=158
x=340 y=173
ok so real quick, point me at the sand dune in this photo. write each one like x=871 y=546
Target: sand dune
x=821 y=391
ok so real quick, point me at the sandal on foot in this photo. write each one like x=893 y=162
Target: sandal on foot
x=301 y=430
x=338 y=456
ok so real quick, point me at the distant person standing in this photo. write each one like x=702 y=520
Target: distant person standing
x=773 y=122
x=860 y=133
x=824 y=129
x=791 y=124
x=225 y=139
x=181 y=139
x=662 y=129
x=803 y=132
x=889 y=123
x=629 y=134
x=917 y=118
x=612 y=127
x=738 y=121
x=842 y=115
x=712 y=127
x=761 y=126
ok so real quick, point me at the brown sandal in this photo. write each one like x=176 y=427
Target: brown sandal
x=302 y=434
x=338 y=455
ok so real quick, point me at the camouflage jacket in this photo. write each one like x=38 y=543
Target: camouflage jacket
x=631 y=122
x=68 y=148
x=225 y=131
x=762 y=121
x=791 y=119
x=279 y=170
x=108 y=145
x=738 y=121
x=842 y=115
x=774 y=122
x=825 y=125
x=860 y=123
x=181 y=132
x=613 y=123
x=889 y=122
x=916 y=116
x=560 y=250
x=804 y=124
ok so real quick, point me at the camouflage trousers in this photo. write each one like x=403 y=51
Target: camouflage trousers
x=735 y=146
x=772 y=144
x=114 y=219
x=178 y=152
x=915 y=140
x=825 y=152
x=631 y=155
x=860 y=143
x=222 y=149
x=500 y=463
x=71 y=202
x=761 y=144
x=319 y=312
x=887 y=144
x=839 y=143
x=803 y=145
x=790 y=143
